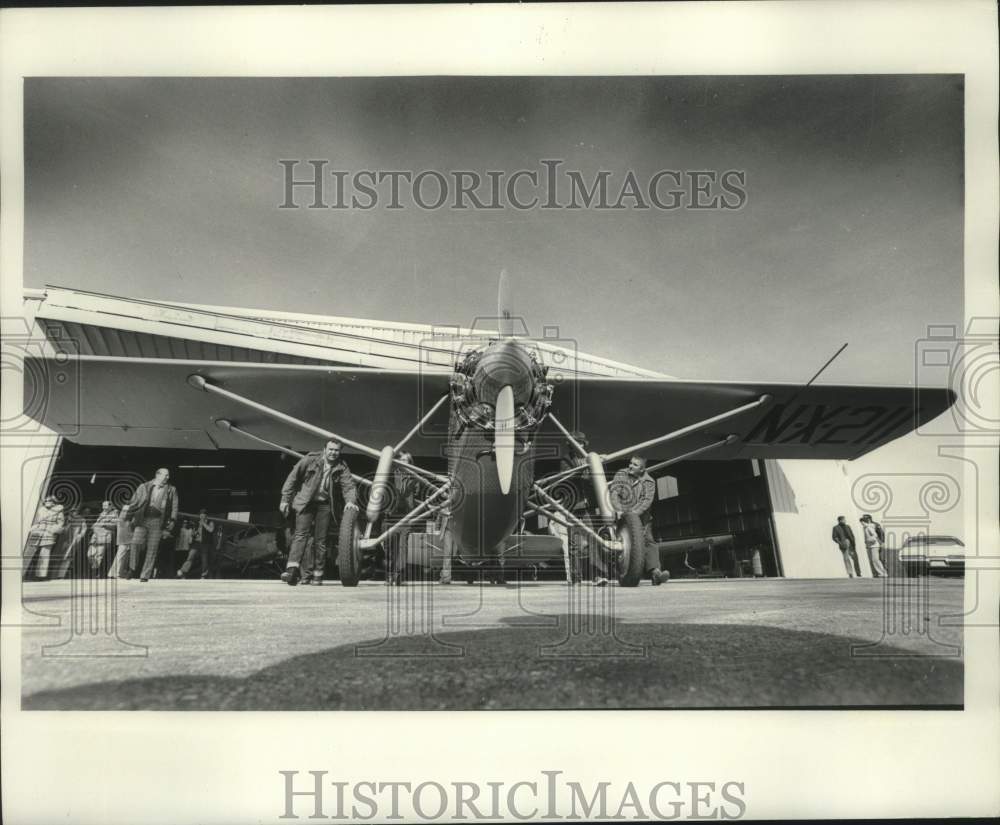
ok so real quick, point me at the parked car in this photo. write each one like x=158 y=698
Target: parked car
x=921 y=555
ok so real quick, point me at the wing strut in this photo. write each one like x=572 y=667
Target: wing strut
x=684 y=431
x=595 y=461
x=229 y=426
x=199 y=382
x=419 y=424
x=729 y=439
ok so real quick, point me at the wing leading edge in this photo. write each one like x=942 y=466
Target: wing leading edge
x=148 y=402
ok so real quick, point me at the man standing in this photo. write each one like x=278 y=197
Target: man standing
x=843 y=537
x=119 y=567
x=633 y=491
x=873 y=544
x=152 y=512
x=49 y=523
x=308 y=491
x=200 y=545
x=101 y=537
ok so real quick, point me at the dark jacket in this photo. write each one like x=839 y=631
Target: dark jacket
x=408 y=493
x=304 y=479
x=633 y=495
x=843 y=533
x=140 y=501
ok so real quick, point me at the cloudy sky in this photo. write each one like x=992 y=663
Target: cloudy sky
x=851 y=231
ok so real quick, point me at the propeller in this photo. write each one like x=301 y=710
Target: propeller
x=503 y=436
x=505 y=315
x=503 y=420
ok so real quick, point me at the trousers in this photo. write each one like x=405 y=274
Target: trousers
x=43 y=551
x=198 y=548
x=120 y=564
x=851 y=561
x=876 y=562
x=312 y=520
x=146 y=536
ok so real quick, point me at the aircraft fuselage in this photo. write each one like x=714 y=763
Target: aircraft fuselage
x=482 y=514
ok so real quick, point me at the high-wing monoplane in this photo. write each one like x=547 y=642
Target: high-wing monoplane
x=504 y=408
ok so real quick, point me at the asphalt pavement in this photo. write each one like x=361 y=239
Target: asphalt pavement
x=261 y=645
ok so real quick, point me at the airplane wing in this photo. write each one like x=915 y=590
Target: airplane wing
x=149 y=402
x=822 y=421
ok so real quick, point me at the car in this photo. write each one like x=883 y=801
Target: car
x=924 y=554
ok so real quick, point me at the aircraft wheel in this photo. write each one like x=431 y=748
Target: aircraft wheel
x=349 y=548
x=632 y=559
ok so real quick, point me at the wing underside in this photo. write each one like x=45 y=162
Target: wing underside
x=149 y=402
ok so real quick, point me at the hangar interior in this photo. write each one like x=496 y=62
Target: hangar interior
x=725 y=500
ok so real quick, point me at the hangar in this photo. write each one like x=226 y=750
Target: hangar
x=721 y=518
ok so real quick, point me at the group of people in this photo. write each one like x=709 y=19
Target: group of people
x=307 y=497
x=311 y=487
x=133 y=534
x=874 y=536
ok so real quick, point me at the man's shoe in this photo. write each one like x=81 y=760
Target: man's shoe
x=600 y=581
x=291 y=576
x=659 y=577
x=444 y=580
x=144 y=580
x=316 y=580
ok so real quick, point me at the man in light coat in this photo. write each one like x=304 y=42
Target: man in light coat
x=153 y=513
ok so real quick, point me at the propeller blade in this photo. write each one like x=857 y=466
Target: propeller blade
x=503 y=436
x=504 y=311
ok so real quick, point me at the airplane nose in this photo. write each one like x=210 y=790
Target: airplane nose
x=505 y=364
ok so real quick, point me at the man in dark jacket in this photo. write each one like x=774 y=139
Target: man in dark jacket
x=843 y=537
x=308 y=491
x=633 y=490
x=200 y=545
x=153 y=512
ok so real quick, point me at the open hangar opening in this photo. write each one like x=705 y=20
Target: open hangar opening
x=712 y=519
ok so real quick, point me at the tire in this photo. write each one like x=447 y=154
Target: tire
x=632 y=560
x=349 y=548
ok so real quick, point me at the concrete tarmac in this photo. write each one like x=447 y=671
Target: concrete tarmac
x=261 y=645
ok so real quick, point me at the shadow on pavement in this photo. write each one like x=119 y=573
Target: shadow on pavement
x=641 y=665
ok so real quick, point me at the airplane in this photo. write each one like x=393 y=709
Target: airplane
x=506 y=409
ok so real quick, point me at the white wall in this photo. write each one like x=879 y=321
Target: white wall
x=807 y=497
x=27 y=449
